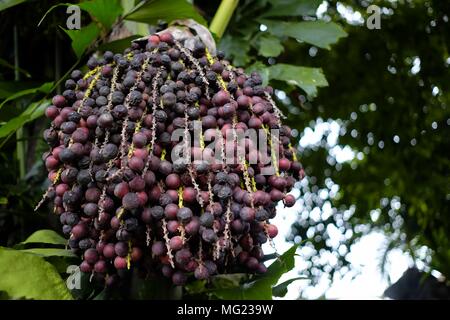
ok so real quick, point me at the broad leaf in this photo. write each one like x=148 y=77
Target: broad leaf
x=34 y=111
x=51 y=9
x=235 y=49
x=8 y=88
x=45 y=88
x=308 y=79
x=281 y=289
x=280 y=266
x=290 y=8
x=318 y=33
x=5 y=4
x=50 y=252
x=83 y=38
x=256 y=290
x=152 y=11
x=153 y=288
x=217 y=283
x=24 y=275
x=260 y=288
x=62 y=263
x=269 y=46
x=103 y=295
x=196 y=287
x=104 y=11
x=45 y=236
x=118 y=46
x=224 y=281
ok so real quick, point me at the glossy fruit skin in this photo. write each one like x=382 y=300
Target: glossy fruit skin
x=123 y=200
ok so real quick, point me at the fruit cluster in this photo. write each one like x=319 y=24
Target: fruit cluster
x=125 y=203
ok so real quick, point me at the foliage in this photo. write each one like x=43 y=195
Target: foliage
x=242 y=287
x=245 y=29
x=394 y=115
x=28 y=271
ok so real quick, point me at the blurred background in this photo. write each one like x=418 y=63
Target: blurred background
x=364 y=84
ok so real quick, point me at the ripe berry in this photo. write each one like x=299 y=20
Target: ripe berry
x=158 y=248
x=289 y=200
x=166 y=37
x=179 y=278
x=59 y=101
x=184 y=214
x=176 y=243
x=120 y=263
x=173 y=181
x=170 y=211
x=91 y=256
x=189 y=195
x=130 y=201
x=272 y=230
x=220 y=98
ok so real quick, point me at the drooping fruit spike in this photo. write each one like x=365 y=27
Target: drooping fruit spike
x=127 y=200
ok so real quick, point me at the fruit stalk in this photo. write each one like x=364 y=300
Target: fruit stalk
x=222 y=17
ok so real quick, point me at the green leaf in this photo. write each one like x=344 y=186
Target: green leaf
x=5 y=4
x=45 y=236
x=152 y=11
x=281 y=289
x=269 y=46
x=319 y=33
x=83 y=38
x=235 y=49
x=308 y=79
x=103 y=295
x=85 y=289
x=62 y=263
x=290 y=8
x=8 y=88
x=51 y=9
x=217 y=283
x=44 y=88
x=118 y=45
x=261 y=288
x=196 y=287
x=10 y=66
x=256 y=290
x=225 y=281
x=27 y=276
x=104 y=11
x=153 y=287
x=34 y=111
x=49 y=252
x=280 y=266
x=3 y=200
